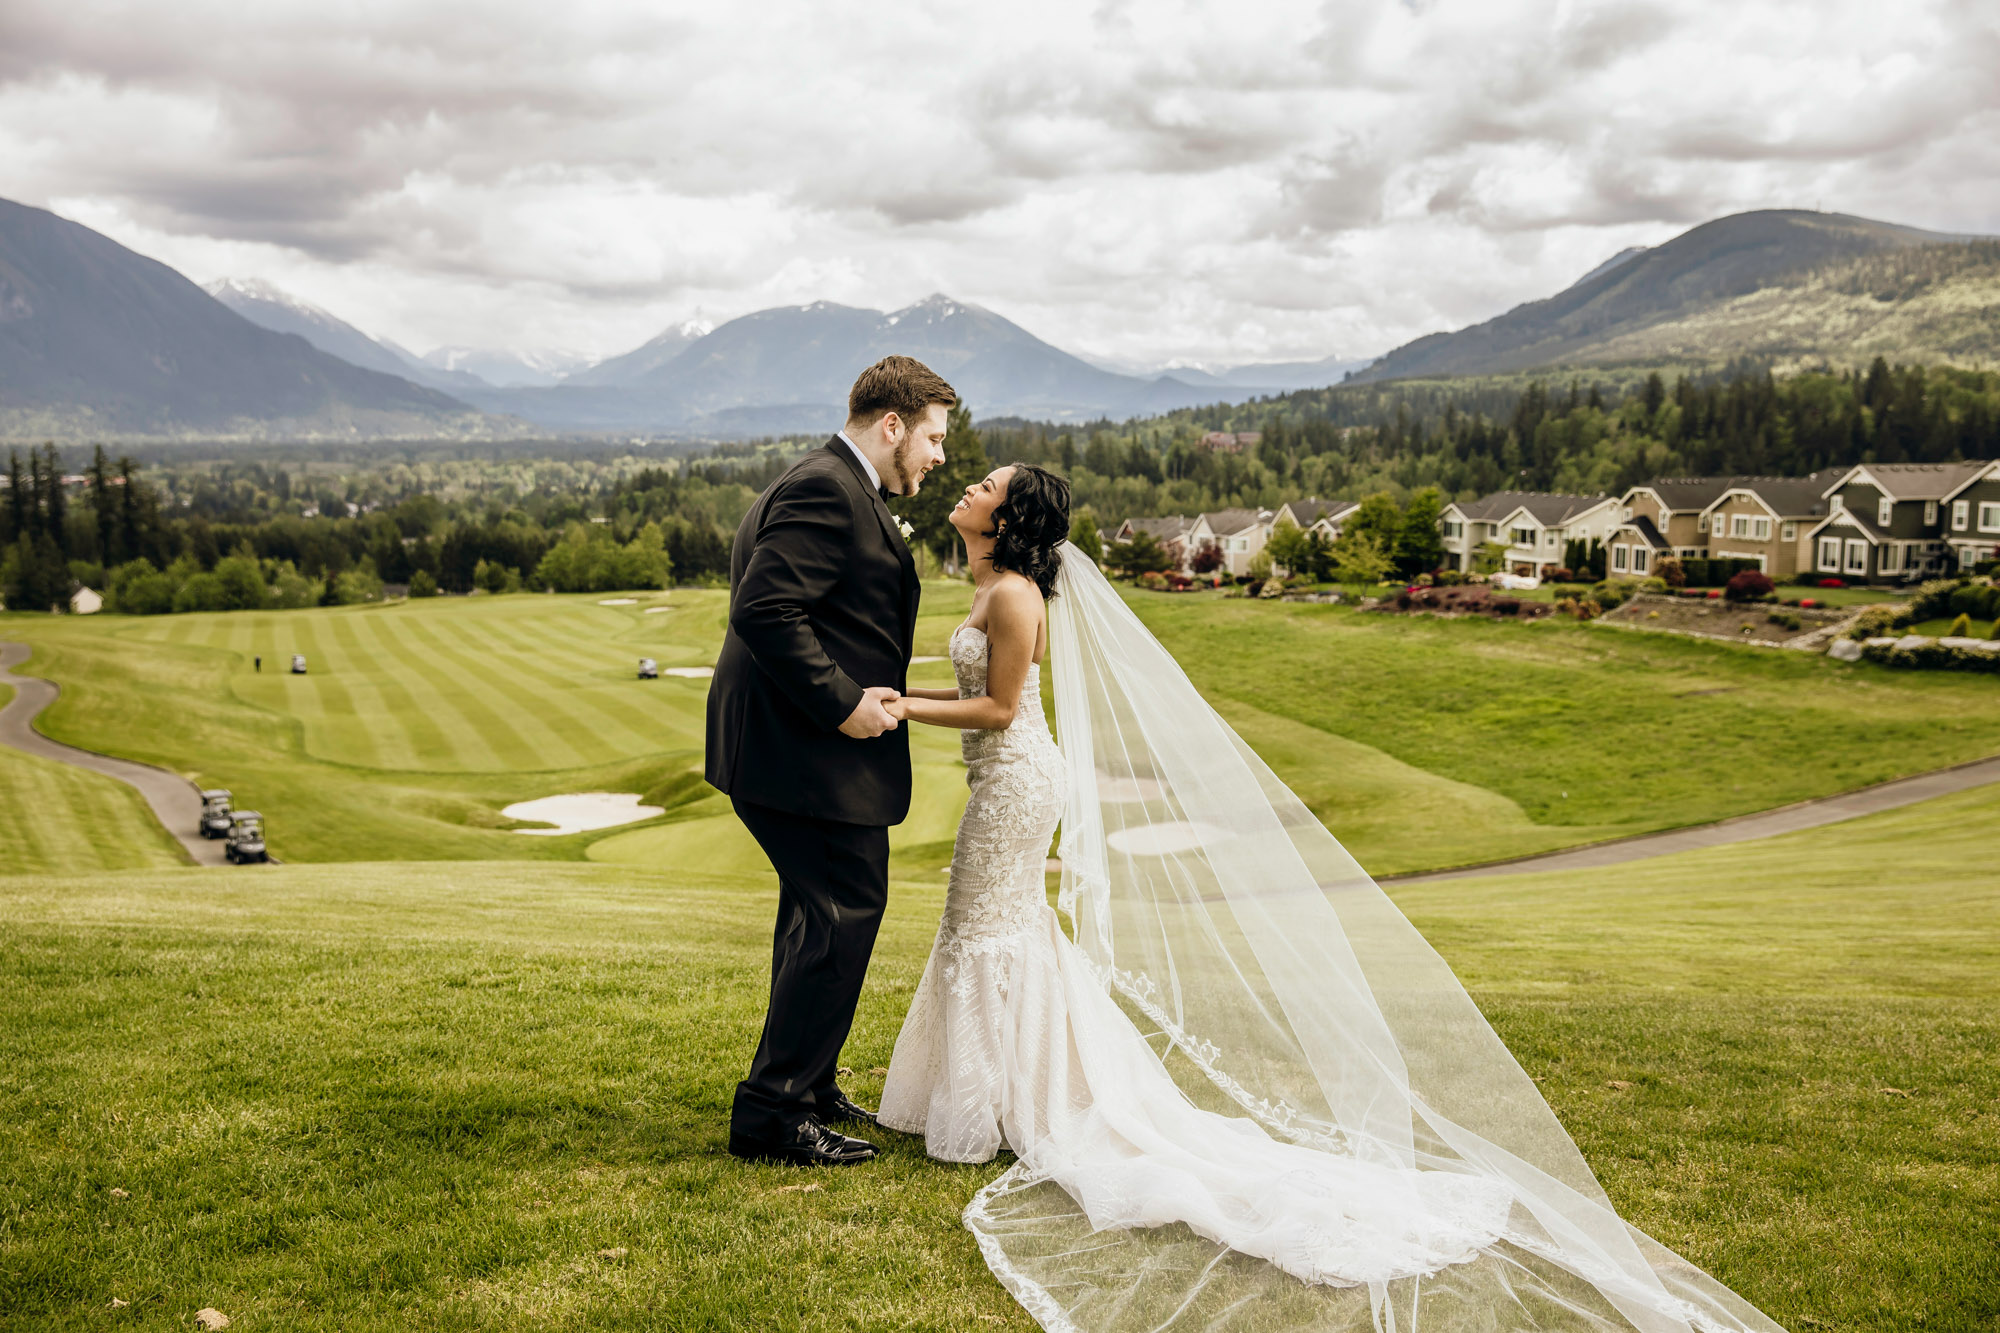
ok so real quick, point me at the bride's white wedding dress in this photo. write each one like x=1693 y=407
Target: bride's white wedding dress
x=1366 y=1154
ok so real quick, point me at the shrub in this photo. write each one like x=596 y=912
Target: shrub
x=422 y=584
x=1832 y=583
x=1787 y=619
x=1994 y=633
x=1448 y=578
x=1934 y=656
x=1581 y=608
x=1961 y=628
x=1653 y=585
x=1558 y=575
x=1272 y=588
x=1933 y=599
x=1154 y=580
x=1748 y=585
x=1671 y=573
x=1969 y=600
x=1613 y=593
x=1507 y=606
x=1876 y=621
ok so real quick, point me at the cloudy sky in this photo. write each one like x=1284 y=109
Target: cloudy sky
x=1215 y=182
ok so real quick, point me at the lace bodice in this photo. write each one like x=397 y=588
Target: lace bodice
x=970 y=654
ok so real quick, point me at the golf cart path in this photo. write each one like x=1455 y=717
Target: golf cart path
x=176 y=802
x=1814 y=813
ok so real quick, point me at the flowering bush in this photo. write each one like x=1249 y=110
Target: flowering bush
x=1749 y=585
x=1832 y=583
x=1154 y=580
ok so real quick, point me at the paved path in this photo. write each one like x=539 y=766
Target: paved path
x=1742 y=828
x=176 y=802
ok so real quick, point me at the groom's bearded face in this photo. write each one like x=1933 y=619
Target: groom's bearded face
x=920 y=450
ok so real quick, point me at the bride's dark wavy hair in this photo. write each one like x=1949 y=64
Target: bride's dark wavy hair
x=1031 y=524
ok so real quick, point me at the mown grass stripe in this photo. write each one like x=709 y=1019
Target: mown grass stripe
x=334 y=726
x=572 y=744
x=483 y=738
x=421 y=739
x=619 y=717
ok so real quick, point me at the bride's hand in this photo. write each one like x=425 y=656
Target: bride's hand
x=897 y=708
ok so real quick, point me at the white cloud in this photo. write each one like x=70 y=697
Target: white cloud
x=1149 y=181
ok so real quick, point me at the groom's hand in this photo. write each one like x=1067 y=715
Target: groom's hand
x=869 y=718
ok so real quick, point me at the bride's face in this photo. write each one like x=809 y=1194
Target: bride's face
x=973 y=515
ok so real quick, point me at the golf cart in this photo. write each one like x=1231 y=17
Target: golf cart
x=648 y=669
x=246 y=838
x=298 y=664
x=215 y=813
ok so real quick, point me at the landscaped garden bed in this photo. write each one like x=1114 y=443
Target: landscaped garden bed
x=1743 y=622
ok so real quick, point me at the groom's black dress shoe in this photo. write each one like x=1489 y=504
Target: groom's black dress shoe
x=838 y=1107
x=807 y=1143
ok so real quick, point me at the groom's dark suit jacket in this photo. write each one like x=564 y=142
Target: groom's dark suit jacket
x=822 y=603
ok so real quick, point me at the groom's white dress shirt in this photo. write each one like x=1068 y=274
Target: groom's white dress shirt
x=874 y=477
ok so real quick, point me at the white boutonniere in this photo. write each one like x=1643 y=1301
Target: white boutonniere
x=903 y=526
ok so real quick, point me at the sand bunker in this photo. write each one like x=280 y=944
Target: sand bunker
x=691 y=673
x=1165 y=839
x=655 y=610
x=617 y=601
x=580 y=812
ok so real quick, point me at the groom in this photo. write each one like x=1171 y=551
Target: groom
x=822 y=606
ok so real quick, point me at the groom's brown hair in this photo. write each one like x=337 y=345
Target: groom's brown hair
x=899 y=384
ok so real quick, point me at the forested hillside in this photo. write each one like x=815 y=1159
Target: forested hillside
x=1469 y=437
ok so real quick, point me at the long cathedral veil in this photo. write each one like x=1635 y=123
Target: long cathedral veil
x=1287 y=988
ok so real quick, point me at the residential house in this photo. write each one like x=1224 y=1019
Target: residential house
x=1240 y=533
x=1887 y=522
x=1172 y=533
x=1665 y=516
x=1766 y=519
x=1972 y=517
x=1535 y=528
x=1316 y=515
x=1231 y=442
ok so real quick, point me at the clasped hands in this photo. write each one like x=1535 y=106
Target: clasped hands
x=880 y=710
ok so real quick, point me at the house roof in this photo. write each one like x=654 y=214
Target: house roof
x=1913 y=481
x=1308 y=512
x=1550 y=510
x=1788 y=497
x=1863 y=523
x=1170 y=529
x=1687 y=493
x=1979 y=471
x=1648 y=533
x=1228 y=522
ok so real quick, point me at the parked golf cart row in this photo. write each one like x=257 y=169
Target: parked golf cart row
x=243 y=828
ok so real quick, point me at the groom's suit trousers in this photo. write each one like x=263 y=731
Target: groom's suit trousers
x=833 y=882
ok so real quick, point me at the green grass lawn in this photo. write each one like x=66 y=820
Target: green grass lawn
x=1420 y=742
x=55 y=818
x=1571 y=732
x=397 y=1096
x=419 y=721
x=1981 y=629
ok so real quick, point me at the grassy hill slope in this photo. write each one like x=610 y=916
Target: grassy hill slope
x=382 y=1096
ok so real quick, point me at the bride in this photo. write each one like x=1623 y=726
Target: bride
x=1248 y=1096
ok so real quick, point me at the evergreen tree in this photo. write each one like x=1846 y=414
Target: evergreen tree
x=1083 y=534
x=928 y=511
x=1420 y=544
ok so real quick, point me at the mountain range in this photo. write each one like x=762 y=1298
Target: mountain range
x=1784 y=285
x=95 y=339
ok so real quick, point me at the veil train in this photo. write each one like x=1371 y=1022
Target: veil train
x=1334 y=1138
